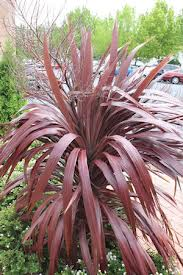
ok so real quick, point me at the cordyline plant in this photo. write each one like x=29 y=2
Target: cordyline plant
x=88 y=176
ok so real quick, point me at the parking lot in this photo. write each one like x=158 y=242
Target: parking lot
x=173 y=89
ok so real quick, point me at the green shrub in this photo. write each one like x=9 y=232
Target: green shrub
x=10 y=97
x=10 y=200
x=13 y=259
x=116 y=266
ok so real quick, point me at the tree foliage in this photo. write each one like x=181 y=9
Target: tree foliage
x=163 y=27
x=127 y=21
x=160 y=24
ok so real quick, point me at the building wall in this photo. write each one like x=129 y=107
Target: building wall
x=7 y=22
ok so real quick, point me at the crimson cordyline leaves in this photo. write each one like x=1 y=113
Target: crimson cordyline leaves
x=107 y=133
x=135 y=259
x=75 y=61
x=156 y=234
x=102 y=60
x=54 y=157
x=123 y=56
x=54 y=84
x=67 y=195
x=122 y=188
x=90 y=203
x=150 y=77
x=86 y=62
x=85 y=251
x=123 y=71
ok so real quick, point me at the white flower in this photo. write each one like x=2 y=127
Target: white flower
x=114 y=257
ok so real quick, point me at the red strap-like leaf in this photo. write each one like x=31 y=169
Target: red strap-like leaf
x=86 y=62
x=89 y=202
x=150 y=77
x=55 y=246
x=44 y=226
x=122 y=188
x=55 y=156
x=58 y=210
x=123 y=54
x=75 y=59
x=136 y=260
x=54 y=84
x=126 y=63
x=67 y=195
x=146 y=192
x=85 y=250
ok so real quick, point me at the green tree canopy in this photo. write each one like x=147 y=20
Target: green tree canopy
x=163 y=26
x=127 y=21
x=160 y=23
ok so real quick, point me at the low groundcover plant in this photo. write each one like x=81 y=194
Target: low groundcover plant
x=88 y=177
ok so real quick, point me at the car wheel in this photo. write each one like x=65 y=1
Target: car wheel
x=175 y=80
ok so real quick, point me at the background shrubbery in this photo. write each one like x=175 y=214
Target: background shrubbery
x=10 y=98
x=13 y=259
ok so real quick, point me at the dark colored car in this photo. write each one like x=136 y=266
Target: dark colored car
x=174 y=76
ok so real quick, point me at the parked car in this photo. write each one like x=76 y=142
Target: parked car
x=166 y=68
x=169 y=67
x=175 y=77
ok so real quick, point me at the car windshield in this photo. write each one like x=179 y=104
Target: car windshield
x=179 y=71
x=171 y=67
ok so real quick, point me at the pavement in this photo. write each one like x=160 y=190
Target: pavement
x=173 y=89
x=174 y=214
